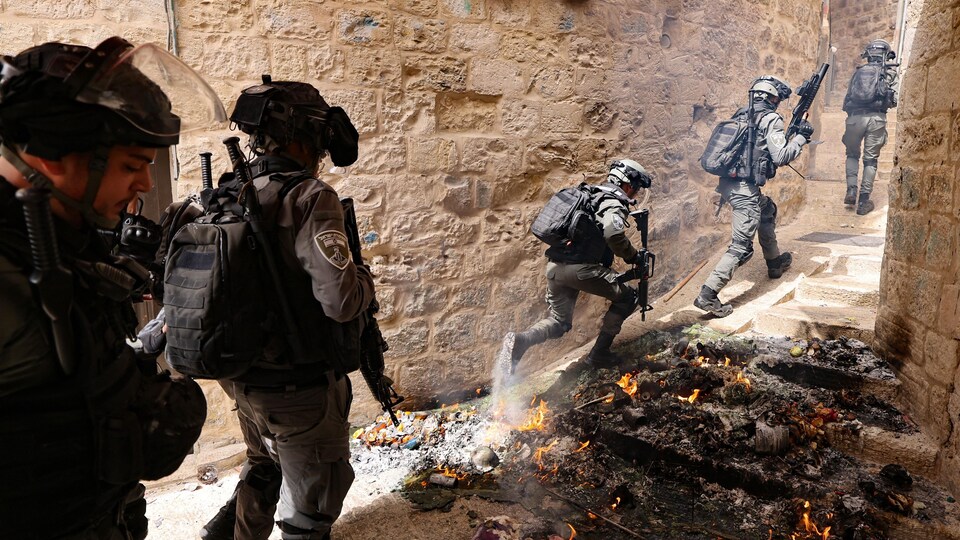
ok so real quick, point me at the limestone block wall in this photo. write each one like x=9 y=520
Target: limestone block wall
x=471 y=114
x=853 y=24
x=918 y=326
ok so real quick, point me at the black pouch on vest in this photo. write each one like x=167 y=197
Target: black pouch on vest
x=174 y=413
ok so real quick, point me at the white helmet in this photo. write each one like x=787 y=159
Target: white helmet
x=772 y=86
x=628 y=171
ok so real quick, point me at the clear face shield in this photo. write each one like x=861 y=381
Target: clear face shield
x=153 y=90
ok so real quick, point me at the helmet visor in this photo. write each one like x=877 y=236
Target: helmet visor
x=155 y=92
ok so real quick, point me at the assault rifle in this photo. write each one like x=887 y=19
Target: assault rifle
x=807 y=92
x=643 y=270
x=372 y=344
x=54 y=282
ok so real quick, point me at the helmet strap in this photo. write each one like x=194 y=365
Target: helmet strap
x=40 y=180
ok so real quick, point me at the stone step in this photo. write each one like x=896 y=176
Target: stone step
x=915 y=451
x=799 y=320
x=855 y=265
x=839 y=290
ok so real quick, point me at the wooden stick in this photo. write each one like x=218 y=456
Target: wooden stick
x=675 y=290
x=593 y=401
x=585 y=509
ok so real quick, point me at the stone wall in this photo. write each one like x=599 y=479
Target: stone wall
x=471 y=113
x=918 y=326
x=853 y=24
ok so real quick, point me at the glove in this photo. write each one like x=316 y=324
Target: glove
x=637 y=259
x=806 y=129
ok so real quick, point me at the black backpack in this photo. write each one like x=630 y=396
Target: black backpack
x=726 y=147
x=868 y=89
x=215 y=290
x=568 y=219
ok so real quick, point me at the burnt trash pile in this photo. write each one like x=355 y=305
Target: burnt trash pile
x=694 y=436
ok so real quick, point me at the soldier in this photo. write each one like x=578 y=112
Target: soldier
x=872 y=90
x=82 y=423
x=571 y=270
x=754 y=212
x=294 y=409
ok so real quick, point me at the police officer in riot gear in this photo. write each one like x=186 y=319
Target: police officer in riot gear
x=81 y=423
x=866 y=124
x=571 y=270
x=753 y=212
x=294 y=410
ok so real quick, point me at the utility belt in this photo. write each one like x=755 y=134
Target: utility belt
x=325 y=380
x=853 y=112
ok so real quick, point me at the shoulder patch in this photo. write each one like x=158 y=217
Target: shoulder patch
x=618 y=223
x=334 y=248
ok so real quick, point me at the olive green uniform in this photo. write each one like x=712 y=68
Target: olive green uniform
x=754 y=212
x=300 y=413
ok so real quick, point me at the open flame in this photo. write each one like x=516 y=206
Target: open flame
x=583 y=446
x=615 y=504
x=573 y=532
x=811 y=527
x=726 y=361
x=629 y=384
x=538 y=455
x=535 y=418
x=743 y=380
x=446 y=471
x=692 y=398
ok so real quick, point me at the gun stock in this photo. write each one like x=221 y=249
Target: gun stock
x=372 y=344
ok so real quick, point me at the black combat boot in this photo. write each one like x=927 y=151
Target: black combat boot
x=522 y=342
x=865 y=206
x=851 y=196
x=709 y=302
x=222 y=525
x=600 y=355
x=776 y=267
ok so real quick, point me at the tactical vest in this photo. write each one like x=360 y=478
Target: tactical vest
x=76 y=445
x=763 y=167
x=328 y=345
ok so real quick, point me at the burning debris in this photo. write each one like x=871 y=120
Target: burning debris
x=698 y=437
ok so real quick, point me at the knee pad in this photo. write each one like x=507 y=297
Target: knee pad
x=870 y=163
x=769 y=212
x=741 y=253
x=263 y=476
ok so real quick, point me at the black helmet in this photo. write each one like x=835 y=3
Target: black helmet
x=277 y=113
x=57 y=99
x=879 y=51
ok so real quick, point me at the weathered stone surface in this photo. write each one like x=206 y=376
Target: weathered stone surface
x=44 y=9
x=941 y=246
x=140 y=12
x=942 y=357
x=231 y=57
x=456 y=332
x=520 y=118
x=409 y=112
x=380 y=155
x=325 y=63
x=418 y=229
x=431 y=154
x=562 y=118
x=942 y=81
x=293 y=19
x=413 y=337
x=545 y=156
x=192 y=15
x=372 y=67
x=495 y=157
x=288 y=62
x=476 y=38
x=464 y=9
x=924 y=136
x=457 y=112
x=360 y=105
x=426 y=8
x=591 y=53
x=510 y=13
x=553 y=81
x=416 y=34
x=364 y=27
x=531 y=48
x=495 y=77
x=17 y=36
x=435 y=74
x=425 y=299
x=458 y=196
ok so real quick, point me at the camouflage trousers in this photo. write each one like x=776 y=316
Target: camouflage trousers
x=869 y=130
x=565 y=282
x=753 y=214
